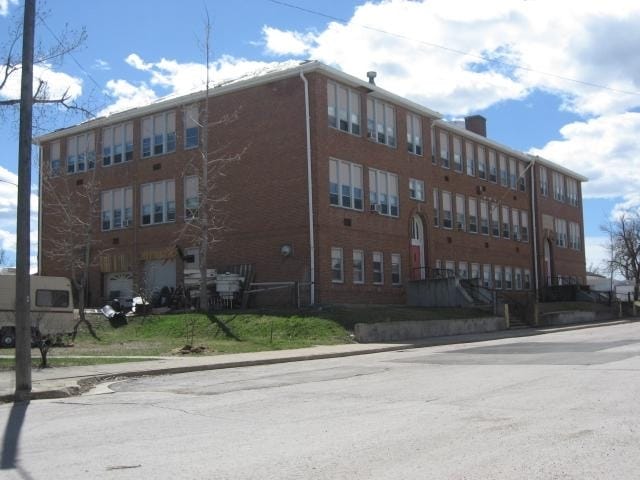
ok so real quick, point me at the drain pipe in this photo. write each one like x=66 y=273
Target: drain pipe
x=312 y=247
x=534 y=226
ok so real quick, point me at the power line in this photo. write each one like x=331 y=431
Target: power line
x=453 y=50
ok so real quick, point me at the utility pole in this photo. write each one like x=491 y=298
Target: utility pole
x=23 y=228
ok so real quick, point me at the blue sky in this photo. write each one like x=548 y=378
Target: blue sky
x=575 y=102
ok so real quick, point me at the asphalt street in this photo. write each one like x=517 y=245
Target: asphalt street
x=562 y=405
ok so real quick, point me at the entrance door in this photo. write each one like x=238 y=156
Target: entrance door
x=417 y=249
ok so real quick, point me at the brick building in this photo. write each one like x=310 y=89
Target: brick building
x=374 y=191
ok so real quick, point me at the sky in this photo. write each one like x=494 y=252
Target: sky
x=556 y=79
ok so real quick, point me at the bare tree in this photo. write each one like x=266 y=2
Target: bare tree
x=624 y=245
x=72 y=210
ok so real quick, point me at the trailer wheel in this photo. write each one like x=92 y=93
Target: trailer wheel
x=8 y=337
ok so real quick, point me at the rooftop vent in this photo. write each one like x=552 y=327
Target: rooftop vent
x=372 y=77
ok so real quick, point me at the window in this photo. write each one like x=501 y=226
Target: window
x=159 y=134
x=54 y=159
x=561 y=232
x=343 y=108
x=524 y=226
x=158 y=203
x=444 y=149
x=396 y=269
x=515 y=223
x=471 y=162
x=191 y=127
x=484 y=217
x=493 y=172
x=378 y=276
x=450 y=268
x=336 y=265
x=473 y=215
x=463 y=270
x=486 y=276
x=117 y=208
x=526 y=279
x=544 y=182
x=345 y=184
x=518 y=279
x=414 y=134
x=475 y=271
x=433 y=146
x=522 y=179
x=504 y=174
x=191 y=197
x=572 y=192
x=574 y=235
x=482 y=163
x=513 y=174
x=117 y=144
x=497 y=277
x=506 y=229
x=81 y=152
x=383 y=191
x=558 y=187
x=52 y=298
x=495 y=220
x=436 y=208
x=416 y=189
x=461 y=222
x=381 y=122
x=358 y=266
x=508 y=282
x=447 y=215
x=457 y=154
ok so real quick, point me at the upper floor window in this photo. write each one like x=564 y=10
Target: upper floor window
x=444 y=149
x=191 y=197
x=416 y=189
x=457 y=154
x=381 y=122
x=383 y=192
x=508 y=282
x=343 y=108
x=524 y=226
x=506 y=230
x=517 y=284
x=358 y=266
x=574 y=235
x=117 y=144
x=526 y=279
x=513 y=173
x=55 y=164
x=504 y=173
x=515 y=223
x=572 y=191
x=396 y=266
x=117 y=208
x=486 y=275
x=558 y=187
x=378 y=268
x=482 y=163
x=522 y=180
x=473 y=215
x=461 y=221
x=436 y=208
x=484 y=217
x=495 y=220
x=337 y=265
x=544 y=182
x=447 y=210
x=493 y=170
x=158 y=202
x=81 y=152
x=159 y=134
x=561 y=232
x=345 y=184
x=191 y=126
x=414 y=134
x=497 y=277
x=471 y=163
x=463 y=270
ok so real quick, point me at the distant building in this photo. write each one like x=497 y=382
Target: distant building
x=395 y=193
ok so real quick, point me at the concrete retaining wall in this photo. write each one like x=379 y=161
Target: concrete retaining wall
x=415 y=330
x=572 y=317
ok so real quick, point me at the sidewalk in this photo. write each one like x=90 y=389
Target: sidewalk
x=59 y=382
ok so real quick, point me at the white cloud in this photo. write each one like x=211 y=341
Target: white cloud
x=281 y=42
x=101 y=65
x=56 y=84
x=127 y=95
x=4 y=6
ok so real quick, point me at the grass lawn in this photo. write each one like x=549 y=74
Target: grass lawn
x=9 y=363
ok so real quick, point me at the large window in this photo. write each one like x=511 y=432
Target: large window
x=526 y=279
x=337 y=265
x=191 y=126
x=191 y=197
x=396 y=267
x=506 y=230
x=343 y=108
x=345 y=184
x=524 y=226
x=513 y=174
x=444 y=149
x=508 y=281
x=414 y=134
x=486 y=276
x=515 y=223
x=381 y=122
x=117 y=208
x=473 y=215
x=495 y=220
x=475 y=271
x=436 y=208
x=470 y=157
x=378 y=268
x=383 y=191
x=482 y=163
x=416 y=189
x=54 y=159
x=463 y=270
x=484 y=217
x=504 y=173
x=457 y=154
x=461 y=221
x=358 y=266
x=518 y=279
x=574 y=235
x=493 y=170
x=561 y=232
x=117 y=144
x=558 y=187
x=572 y=191
x=522 y=178
x=158 y=203
x=544 y=182
x=497 y=277
x=81 y=152
x=159 y=134
x=447 y=210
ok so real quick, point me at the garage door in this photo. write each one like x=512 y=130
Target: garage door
x=118 y=285
x=158 y=274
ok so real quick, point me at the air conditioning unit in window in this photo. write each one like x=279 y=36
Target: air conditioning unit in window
x=375 y=208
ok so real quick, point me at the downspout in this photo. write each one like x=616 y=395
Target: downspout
x=312 y=247
x=534 y=226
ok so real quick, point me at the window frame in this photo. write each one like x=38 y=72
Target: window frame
x=396 y=264
x=447 y=215
x=413 y=190
x=381 y=183
x=377 y=272
x=414 y=142
x=355 y=194
x=167 y=201
x=126 y=210
x=340 y=271
x=353 y=99
x=361 y=268
x=160 y=127
x=375 y=107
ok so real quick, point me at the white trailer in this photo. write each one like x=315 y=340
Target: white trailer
x=51 y=307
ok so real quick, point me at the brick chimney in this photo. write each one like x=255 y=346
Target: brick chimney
x=476 y=124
